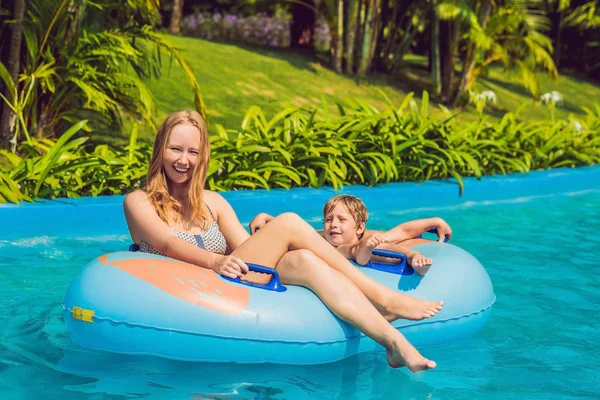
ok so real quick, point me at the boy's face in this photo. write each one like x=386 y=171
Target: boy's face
x=340 y=227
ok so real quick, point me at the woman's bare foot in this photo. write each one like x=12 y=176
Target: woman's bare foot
x=404 y=306
x=404 y=354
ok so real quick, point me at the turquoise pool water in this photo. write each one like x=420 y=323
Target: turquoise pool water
x=542 y=341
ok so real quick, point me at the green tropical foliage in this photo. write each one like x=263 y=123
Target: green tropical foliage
x=512 y=32
x=47 y=168
x=313 y=147
x=87 y=60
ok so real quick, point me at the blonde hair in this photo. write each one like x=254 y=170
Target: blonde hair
x=158 y=187
x=355 y=207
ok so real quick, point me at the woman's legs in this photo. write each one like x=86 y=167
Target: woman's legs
x=290 y=232
x=344 y=299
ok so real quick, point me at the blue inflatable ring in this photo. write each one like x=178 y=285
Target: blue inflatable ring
x=139 y=303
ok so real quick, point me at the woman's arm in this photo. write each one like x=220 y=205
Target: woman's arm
x=144 y=224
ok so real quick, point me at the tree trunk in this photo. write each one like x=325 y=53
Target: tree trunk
x=377 y=33
x=471 y=56
x=435 y=54
x=74 y=27
x=14 y=60
x=403 y=47
x=557 y=39
x=175 y=25
x=389 y=39
x=370 y=33
x=360 y=26
x=467 y=72
x=383 y=37
x=351 y=26
x=339 y=38
x=42 y=122
x=449 y=37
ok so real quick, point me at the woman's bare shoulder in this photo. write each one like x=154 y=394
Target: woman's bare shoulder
x=213 y=198
x=135 y=198
x=217 y=203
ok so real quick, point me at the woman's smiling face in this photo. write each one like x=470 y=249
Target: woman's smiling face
x=181 y=153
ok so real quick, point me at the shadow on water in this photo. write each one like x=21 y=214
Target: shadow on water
x=362 y=376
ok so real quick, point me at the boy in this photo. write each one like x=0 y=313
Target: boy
x=344 y=220
x=345 y=217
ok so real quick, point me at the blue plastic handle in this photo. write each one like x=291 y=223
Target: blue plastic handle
x=434 y=231
x=274 y=284
x=401 y=268
x=389 y=254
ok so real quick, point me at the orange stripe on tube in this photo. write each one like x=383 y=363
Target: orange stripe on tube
x=415 y=241
x=188 y=282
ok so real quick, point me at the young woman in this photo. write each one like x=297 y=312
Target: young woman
x=173 y=215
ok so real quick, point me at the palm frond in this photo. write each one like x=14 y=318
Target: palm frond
x=586 y=16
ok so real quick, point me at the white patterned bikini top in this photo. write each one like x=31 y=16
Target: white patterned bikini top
x=210 y=239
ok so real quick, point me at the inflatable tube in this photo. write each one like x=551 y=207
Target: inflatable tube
x=139 y=303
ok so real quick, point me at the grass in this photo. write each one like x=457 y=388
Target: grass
x=511 y=94
x=233 y=77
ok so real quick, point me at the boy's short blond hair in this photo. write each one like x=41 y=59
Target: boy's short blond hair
x=352 y=204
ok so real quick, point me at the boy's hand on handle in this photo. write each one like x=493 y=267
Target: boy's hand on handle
x=419 y=262
x=366 y=246
x=374 y=240
x=260 y=220
x=443 y=230
x=229 y=266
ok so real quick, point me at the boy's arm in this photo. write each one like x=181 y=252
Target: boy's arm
x=361 y=252
x=411 y=229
